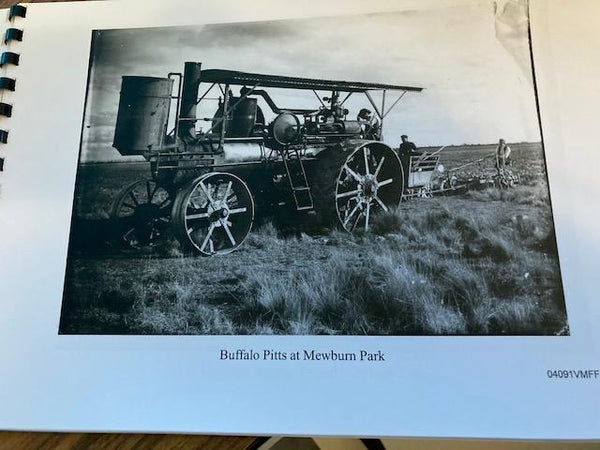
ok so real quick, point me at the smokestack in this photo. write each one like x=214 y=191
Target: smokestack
x=189 y=96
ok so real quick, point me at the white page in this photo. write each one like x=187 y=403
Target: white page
x=493 y=386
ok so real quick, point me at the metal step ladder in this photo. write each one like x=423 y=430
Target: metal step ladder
x=296 y=174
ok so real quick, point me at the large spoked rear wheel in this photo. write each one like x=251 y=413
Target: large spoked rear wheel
x=352 y=185
x=142 y=212
x=213 y=214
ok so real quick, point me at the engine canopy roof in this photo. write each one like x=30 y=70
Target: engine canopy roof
x=277 y=81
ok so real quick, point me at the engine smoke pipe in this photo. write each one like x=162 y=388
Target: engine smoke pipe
x=276 y=109
x=189 y=94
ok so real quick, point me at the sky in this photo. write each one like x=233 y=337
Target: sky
x=476 y=87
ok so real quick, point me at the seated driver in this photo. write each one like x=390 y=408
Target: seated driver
x=368 y=124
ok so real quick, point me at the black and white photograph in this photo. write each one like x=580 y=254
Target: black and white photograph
x=380 y=174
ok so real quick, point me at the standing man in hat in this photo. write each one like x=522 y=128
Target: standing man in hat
x=504 y=177
x=503 y=152
x=405 y=151
x=407 y=148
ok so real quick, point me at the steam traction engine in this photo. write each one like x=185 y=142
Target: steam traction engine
x=208 y=172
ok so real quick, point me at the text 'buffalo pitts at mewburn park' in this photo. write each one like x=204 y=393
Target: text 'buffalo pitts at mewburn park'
x=301 y=355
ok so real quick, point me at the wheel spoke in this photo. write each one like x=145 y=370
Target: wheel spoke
x=356 y=221
x=206 y=192
x=197 y=216
x=379 y=166
x=349 y=216
x=208 y=236
x=368 y=210
x=133 y=198
x=128 y=205
x=215 y=190
x=347 y=194
x=366 y=158
x=224 y=199
x=195 y=205
x=385 y=182
x=228 y=231
x=238 y=210
x=352 y=173
x=154 y=191
x=378 y=200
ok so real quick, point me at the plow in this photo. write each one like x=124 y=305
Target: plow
x=221 y=149
x=430 y=178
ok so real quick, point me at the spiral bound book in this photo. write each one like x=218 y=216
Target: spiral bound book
x=339 y=219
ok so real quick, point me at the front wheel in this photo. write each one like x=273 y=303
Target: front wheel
x=213 y=214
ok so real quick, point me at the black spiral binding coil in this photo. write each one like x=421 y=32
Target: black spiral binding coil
x=9 y=58
x=17 y=11
x=13 y=34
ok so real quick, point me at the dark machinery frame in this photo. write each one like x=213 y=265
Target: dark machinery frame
x=205 y=183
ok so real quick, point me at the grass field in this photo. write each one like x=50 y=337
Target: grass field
x=484 y=262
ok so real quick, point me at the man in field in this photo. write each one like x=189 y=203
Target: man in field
x=502 y=155
x=405 y=151
x=504 y=178
x=407 y=148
